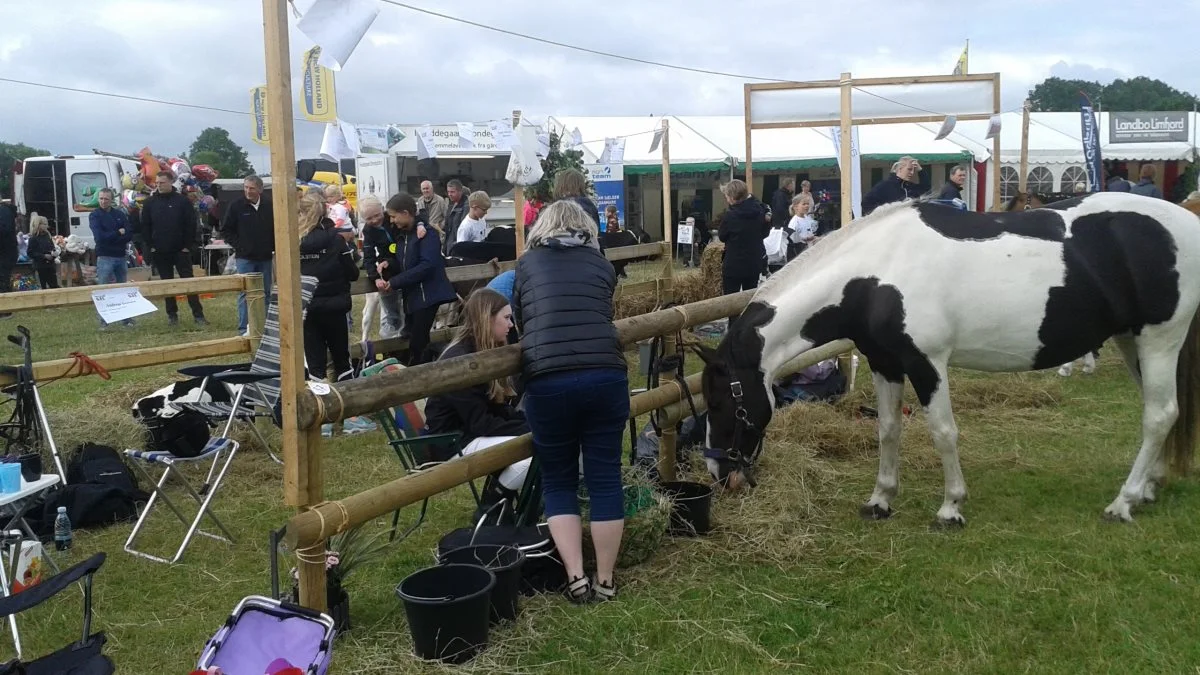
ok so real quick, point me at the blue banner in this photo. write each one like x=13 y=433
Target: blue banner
x=1091 y=143
x=608 y=180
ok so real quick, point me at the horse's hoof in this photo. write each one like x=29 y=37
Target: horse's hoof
x=1118 y=513
x=954 y=523
x=874 y=512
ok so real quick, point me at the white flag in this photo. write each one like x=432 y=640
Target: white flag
x=947 y=127
x=855 y=168
x=466 y=135
x=350 y=134
x=333 y=144
x=337 y=26
x=658 y=134
x=614 y=151
x=425 y=147
x=993 y=129
x=502 y=134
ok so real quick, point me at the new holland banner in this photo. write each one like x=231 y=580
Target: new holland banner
x=960 y=68
x=258 y=111
x=318 y=99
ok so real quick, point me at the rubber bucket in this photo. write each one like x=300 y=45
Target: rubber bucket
x=691 y=507
x=505 y=562
x=447 y=610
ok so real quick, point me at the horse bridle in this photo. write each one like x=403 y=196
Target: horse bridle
x=741 y=424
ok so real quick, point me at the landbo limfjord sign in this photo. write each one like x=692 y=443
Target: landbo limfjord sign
x=1147 y=127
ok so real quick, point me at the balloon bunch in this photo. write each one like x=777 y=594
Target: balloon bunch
x=824 y=196
x=193 y=181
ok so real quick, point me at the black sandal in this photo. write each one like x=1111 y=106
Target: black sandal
x=605 y=592
x=579 y=590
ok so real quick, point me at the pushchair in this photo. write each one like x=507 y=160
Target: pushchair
x=262 y=632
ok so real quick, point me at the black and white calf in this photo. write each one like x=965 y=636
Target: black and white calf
x=920 y=288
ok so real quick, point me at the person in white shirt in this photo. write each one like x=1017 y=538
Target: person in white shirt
x=803 y=227
x=474 y=225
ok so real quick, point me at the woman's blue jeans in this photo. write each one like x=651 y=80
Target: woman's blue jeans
x=576 y=410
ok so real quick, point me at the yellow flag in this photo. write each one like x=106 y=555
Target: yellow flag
x=258 y=110
x=318 y=99
x=960 y=68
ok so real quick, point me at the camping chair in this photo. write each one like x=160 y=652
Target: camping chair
x=257 y=382
x=85 y=656
x=417 y=451
x=215 y=447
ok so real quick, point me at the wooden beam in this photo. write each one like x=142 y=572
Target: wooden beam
x=776 y=86
x=866 y=121
x=748 y=115
x=995 y=177
x=924 y=79
x=301 y=452
x=847 y=130
x=361 y=396
x=82 y=295
x=666 y=187
x=44 y=371
x=1023 y=178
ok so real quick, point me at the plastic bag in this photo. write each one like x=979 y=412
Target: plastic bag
x=524 y=168
x=776 y=247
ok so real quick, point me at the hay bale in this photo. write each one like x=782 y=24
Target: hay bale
x=1017 y=391
x=648 y=513
x=690 y=286
x=827 y=430
x=711 y=266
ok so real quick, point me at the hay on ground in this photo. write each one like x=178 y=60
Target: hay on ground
x=644 y=530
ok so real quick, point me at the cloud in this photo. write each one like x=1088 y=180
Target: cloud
x=414 y=68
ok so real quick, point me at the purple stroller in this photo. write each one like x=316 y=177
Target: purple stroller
x=261 y=630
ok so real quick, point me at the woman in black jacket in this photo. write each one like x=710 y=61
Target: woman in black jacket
x=743 y=228
x=576 y=386
x=325 y=255
x=484 y=413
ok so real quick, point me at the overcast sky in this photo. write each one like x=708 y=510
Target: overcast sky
x=416 y=68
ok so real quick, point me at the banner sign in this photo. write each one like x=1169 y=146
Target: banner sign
x=258 y=111
x=609 y=182
x=1148 y=127
x=1091 y=143
x=317 y=97
x=855 y=167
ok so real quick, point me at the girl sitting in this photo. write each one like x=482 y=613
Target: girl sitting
x=484 y=413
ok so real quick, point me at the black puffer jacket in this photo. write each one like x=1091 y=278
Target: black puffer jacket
x=469 y=410
x=169 y=222
x=563 y=306
x=743 y=228
x=324 y=254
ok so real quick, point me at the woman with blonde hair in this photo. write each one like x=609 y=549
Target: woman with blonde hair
x=338 y=211
x=576 y=387
x=325 y=255
x=41 y=250
x=484 y=414
x=743 y=228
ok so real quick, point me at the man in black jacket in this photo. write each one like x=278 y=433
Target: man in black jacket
x=8 y=248
x=249 y=227
x=954 y=187
x=900 y=185
x=169 y=228
x=456 y=210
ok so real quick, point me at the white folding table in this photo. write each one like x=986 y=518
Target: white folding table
x=14 y=506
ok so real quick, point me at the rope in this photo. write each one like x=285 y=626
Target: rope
x=341 y=414
x=86 y=366
x=304 y=554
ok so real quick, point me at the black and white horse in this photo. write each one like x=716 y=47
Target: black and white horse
x=920 y=288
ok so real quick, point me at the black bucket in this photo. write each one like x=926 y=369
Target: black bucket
x=691 y=510
x=505 y=562
x=447 y=610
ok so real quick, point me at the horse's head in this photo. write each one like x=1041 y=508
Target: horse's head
x=739 y=401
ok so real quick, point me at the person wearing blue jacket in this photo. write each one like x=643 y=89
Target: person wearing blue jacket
x=112 y=233
x=417 y=271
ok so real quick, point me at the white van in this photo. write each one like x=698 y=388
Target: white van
x=62 y=188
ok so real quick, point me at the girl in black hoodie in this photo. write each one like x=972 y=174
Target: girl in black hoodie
x=325 y=255
x=484 y=413
x=743 y=228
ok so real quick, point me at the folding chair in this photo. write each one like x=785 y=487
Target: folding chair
x=416 y=450
x=215 y=447
x=257 y=383
x=85 y=656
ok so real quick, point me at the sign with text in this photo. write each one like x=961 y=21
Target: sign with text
x=609 y=183
x=118 y=304
x=1148 y=127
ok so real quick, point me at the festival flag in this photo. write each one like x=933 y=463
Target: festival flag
x=318 y=99
x=960 y=68
x=1091 y=141
x=258 y=111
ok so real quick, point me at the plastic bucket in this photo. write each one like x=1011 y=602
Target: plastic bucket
x=691 y=508
x=447 y=610
x=10 y=477
x=505 y=562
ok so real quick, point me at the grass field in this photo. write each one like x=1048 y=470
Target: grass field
x=791 y=578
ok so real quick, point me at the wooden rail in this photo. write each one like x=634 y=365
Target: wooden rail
x=82 y=295
x=139 y=358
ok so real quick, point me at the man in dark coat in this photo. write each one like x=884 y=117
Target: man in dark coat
x=953 y=187
x=249 y=227
x=169 y=227
x=8 y=248
x=456 y=211
x=781 y=203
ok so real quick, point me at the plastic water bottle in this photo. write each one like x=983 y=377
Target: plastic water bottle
x=62 y=530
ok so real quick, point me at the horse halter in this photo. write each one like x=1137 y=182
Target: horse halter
x=741 y=424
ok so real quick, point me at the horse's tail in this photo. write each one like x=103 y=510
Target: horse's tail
x=1181 y=443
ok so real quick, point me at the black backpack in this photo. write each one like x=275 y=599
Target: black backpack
x=101 y=490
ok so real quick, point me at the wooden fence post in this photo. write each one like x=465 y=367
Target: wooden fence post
x=256 y=307
x=670 y=345
x=302 y=483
